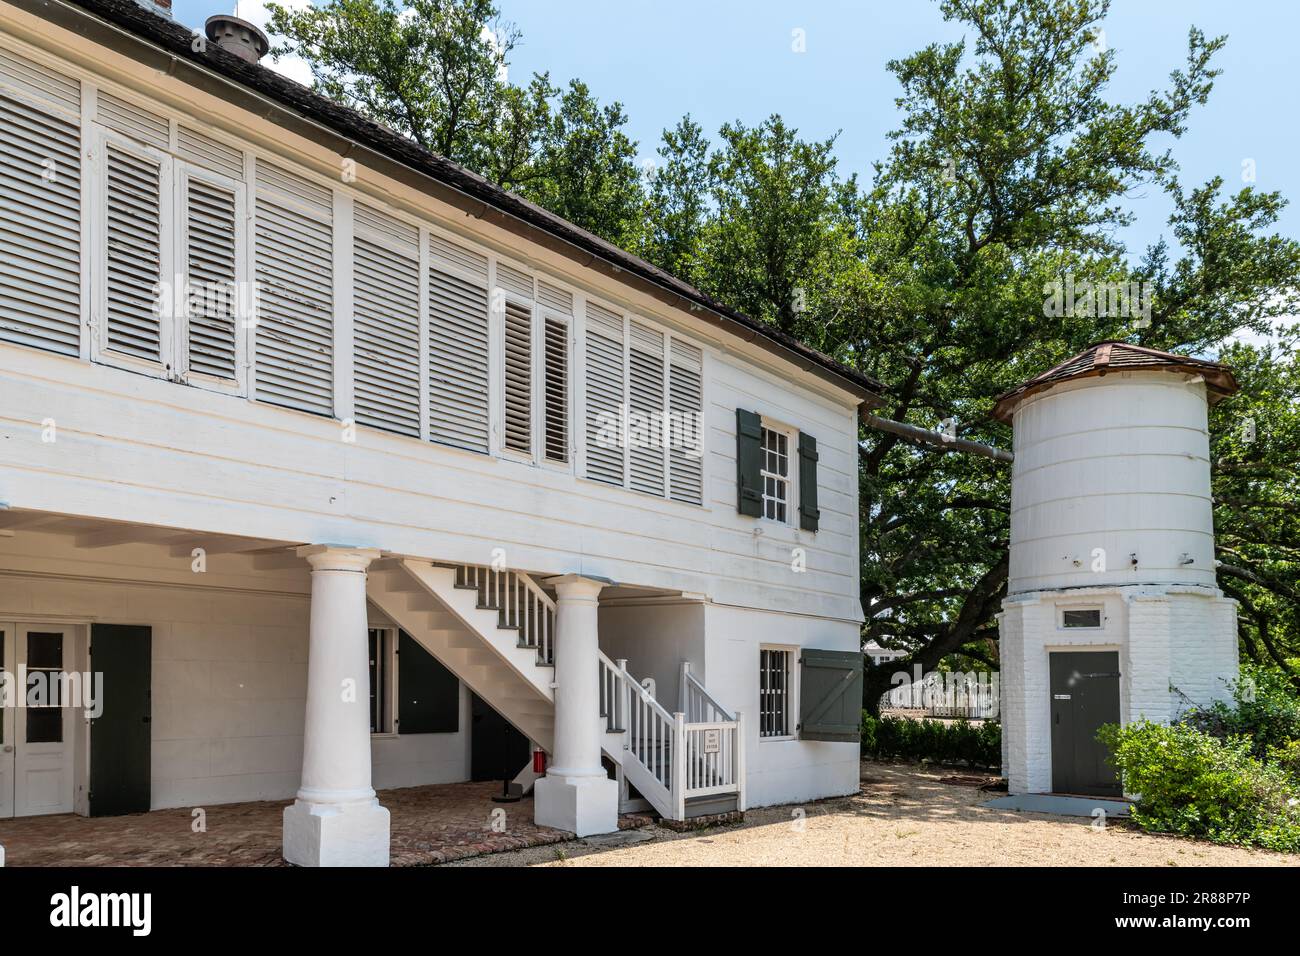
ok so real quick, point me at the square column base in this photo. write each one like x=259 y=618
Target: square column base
x=325 y=834
x=581 y=805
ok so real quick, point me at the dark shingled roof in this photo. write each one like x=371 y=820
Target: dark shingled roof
x=1097 y=360
x=177 y=40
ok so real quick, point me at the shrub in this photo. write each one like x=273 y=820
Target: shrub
x=1264 y=708
x=960 y=742
x=1193 y=783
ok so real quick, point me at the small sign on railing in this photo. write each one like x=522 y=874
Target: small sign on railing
x=712 y=741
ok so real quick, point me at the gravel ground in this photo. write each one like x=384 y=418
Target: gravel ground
x=904 y=816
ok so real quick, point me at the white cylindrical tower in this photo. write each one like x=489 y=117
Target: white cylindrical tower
x=1112 y=610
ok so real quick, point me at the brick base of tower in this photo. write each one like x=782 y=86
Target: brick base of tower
x=1177 y=649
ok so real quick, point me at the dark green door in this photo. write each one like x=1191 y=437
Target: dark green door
x=1085 y=695
x=496 y=748
x=120 y=735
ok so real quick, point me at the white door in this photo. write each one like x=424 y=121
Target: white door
x=42 y=740
x=7 y=711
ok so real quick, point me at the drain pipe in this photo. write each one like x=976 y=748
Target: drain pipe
x=937 y=439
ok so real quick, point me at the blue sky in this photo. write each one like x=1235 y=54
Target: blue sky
x=726 y=59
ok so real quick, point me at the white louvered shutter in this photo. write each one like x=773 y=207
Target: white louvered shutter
x=211 y=218
x=556 y=424
x=458 y=346
x=386 y=322
x=558 y=306
x=686 y=432
x=295 y=292
x=605 y=395
x=646 y=409
x=518 y=407
x=40 y=207
x=132 y=323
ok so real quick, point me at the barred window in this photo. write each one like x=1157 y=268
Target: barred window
x=774 y=692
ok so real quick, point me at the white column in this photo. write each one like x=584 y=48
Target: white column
x=336 y=819
x=576 y=794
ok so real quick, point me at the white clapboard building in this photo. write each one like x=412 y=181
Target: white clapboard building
x=315 y=447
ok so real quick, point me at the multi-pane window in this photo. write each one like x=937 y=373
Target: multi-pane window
x=381 y=680
x=774 y=692
x=44 y=665
x=776 y=475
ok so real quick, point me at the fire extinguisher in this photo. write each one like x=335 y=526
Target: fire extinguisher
x=539 y=761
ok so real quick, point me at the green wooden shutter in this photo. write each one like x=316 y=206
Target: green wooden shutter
x=808 y=512
x=749 y=463
x=830 y=695
x=428 y=700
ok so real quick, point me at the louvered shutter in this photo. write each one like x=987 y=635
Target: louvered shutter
x=749 y=463
x=556 y=424
x=133 y=254
x=518 y=411
x=646 y=409
x=40 y=209
x=605 y=395
x=458 y=346
x=686 y=410
x=386 y=322
x=809 y=514
x=211 y=219
x=295 y=292
x=555 y=369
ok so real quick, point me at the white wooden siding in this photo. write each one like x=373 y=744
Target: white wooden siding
x=133 y=448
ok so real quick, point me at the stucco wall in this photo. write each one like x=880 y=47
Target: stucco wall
x=229 y=671
x=777 y=771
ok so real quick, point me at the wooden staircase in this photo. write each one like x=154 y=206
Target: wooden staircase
x=495 y=630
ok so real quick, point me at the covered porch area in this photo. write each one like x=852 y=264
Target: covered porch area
x=431 y=824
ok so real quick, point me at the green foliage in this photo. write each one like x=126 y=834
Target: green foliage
x=960 y=742
x=1265 y=712
x=1198 y=785
x=1011 y=167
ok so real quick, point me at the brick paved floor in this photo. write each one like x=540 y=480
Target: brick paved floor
x=432 y=824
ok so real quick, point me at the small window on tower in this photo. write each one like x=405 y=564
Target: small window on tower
x=1081 y=617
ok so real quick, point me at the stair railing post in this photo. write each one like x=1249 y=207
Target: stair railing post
x=683 y=690
x=740 y=760
x=678 y=757
x=620 y=697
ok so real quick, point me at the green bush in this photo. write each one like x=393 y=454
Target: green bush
x=1196 y=784
x=960 y=742
x=1264 y=708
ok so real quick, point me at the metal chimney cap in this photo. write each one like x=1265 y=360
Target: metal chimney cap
x=245 y=40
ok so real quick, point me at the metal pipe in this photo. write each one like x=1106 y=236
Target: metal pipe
x=938 y=439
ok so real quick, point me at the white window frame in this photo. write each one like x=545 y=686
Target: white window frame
x=101 y=354
x=791 y=436
x=1101 y=617
x=791 y=692
x=388 y=679
x=184 y=172
x=541 y=314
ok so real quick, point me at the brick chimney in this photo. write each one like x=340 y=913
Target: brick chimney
x=161 y=7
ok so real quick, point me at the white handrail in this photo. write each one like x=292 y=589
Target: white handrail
x=696 y=702
x=519 y=602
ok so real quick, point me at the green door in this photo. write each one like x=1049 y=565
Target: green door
x=1085 y=695
x=120 y=736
